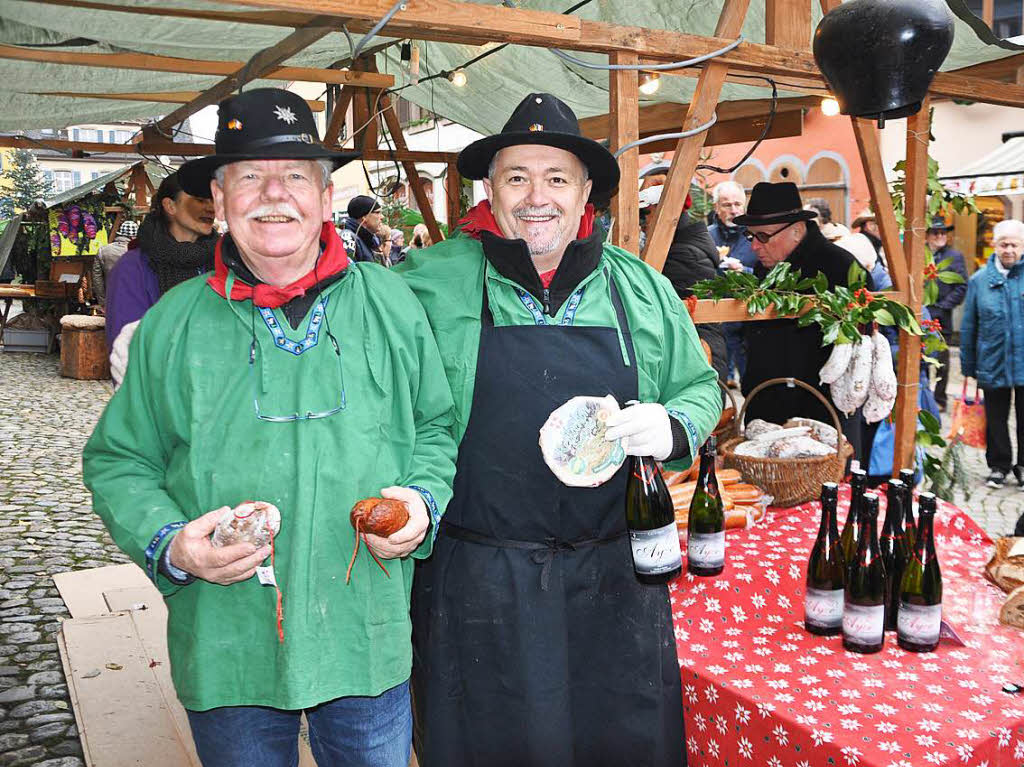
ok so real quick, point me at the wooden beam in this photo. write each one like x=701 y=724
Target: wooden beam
x=453 y=193
x=148 y=63
x=95 y=147
x=165 y=97
x=787 y=23
x=741 y=131
x=139 y=183
x=909 y=369
x=264 y=61
x=687 y=152
x=409 y=155
x=998 y=69
x=988 y=12
x=338 y=115
x=881 y=200
x=732 y=310
x=391 y=119
x=623 y=103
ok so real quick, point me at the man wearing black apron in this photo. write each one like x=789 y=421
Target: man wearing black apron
x=534 y=643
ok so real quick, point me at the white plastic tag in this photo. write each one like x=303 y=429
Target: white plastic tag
x=266 y=576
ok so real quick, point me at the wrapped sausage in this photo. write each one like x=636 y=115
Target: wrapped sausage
x=820 y=431
x=883 y=377
x=798 y=447
x=876 y=408
x=837 y=363
x=256 y=522
x=757 y=427
x=860 y=371
x=752 y=448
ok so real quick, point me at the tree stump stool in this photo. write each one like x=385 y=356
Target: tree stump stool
x=83 y=347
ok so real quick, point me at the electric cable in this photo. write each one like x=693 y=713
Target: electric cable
x=377 y=27
x=649 y=67
x=664 y=136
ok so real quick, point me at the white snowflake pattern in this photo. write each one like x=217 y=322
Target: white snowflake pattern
x=789 y=647
x=742 y=714
x=814 y=705
x=742 y=684
x=691 y=693
x=929 y=725
x=721 y=725
x=872 y=681
x=887 y=727
x=713 y=748
x=972 y=716
x=286 y=114
x=762 y=652
x=849 y=708
x=936 y=757
x=852 y=754
x=929 y=666
x=707 y=626
x=774 y=762
x=753 y=668
x=909 y=676
x=692 y=746
x=772 y=577
x=711 y=694
x=1003 y=735
x=758 y=601
x=745 y=577
x=932 y=708
x=733 y=631
x=935 y=689
x=738 y=614
x=835 y=673
x=904 y=695
x=965 y=752
x=718 y=670
x=818 y=692
x=765 y=709
x=700 y=721
x=782 y=668
x=981 y=700
x=821 y=736
x=712 y=605
x=925 y=740
x=850 y=724
x=784 y=697
x=1018 y=750
x=746 y=748
x=889 y=746
x=965 y=733
x=807 y=720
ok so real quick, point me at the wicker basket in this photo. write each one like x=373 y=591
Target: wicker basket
x=789 y=480
x=730 y=428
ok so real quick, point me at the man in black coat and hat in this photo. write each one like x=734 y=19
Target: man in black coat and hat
x=950 y=296
x=780 y=230
x=359 y=231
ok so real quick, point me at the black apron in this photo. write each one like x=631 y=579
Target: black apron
x=534 y=643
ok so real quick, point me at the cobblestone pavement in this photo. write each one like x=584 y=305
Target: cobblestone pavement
x=47 y=526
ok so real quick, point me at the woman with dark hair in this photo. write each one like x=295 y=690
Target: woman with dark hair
x=175 y=243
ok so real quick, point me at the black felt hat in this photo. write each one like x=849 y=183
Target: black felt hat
x=260 y=124
x=544 y=119
x=362 y=205
x=774 y=204
x=938 y=224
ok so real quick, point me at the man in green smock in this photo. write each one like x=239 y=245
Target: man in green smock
x=534 y=642
x=300 y=378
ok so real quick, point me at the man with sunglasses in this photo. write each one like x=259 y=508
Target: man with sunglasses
x=297 y=377
x=779 y=229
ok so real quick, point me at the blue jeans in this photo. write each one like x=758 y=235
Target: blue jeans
x=355 y=731
x=734 y=343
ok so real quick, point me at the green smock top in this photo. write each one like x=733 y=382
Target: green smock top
x=672 y=368
x=181 y=437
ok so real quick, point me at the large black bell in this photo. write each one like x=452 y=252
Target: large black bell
x=879 y=56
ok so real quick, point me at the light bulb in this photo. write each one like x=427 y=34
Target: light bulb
x=649 y=83
x=829 y=107
x=458 y=78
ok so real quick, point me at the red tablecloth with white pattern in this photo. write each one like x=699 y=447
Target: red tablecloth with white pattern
x=759 y=690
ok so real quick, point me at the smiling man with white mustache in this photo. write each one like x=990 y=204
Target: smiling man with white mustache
x=531 y=629
x=297 y=377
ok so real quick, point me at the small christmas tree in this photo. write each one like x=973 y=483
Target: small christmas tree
x=22 y=183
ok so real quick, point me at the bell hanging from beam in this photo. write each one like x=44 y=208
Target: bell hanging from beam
x=879 y=56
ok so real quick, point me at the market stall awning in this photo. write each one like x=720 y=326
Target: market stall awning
x=1001 y=171
x=35 y=93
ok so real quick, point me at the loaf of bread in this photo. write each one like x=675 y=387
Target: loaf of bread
x=1012 y=612
x=1006 y=568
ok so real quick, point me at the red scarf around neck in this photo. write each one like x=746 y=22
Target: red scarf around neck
x=333 y=260
x=479 y=219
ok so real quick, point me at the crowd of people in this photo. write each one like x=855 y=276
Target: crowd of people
x=280 y=362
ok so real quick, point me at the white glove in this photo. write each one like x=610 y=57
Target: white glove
x=119 y=352
x=645 y=429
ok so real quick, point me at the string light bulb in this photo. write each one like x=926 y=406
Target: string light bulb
x=649 y=83
x=458 y=78
x=829 y=107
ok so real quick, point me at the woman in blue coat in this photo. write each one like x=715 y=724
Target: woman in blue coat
x=992 y=347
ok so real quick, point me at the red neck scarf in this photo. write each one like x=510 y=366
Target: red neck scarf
x=481 y=219
x=333 y=260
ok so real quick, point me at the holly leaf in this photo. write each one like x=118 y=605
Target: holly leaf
x=884 y=317
x=929 y=422
x=931 y=292
x=950 y=277
x=856 y=277
x=831 y=334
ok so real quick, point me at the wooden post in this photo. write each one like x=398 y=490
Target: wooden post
x=881 y=200
x=139 y=183
x=453 y=192
x=410 y=170
x=687 y=152
x=787 y=23
x=623 y=107
x=338 y=114
x=908 y=373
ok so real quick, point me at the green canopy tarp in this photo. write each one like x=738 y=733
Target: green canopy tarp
x=495 y=85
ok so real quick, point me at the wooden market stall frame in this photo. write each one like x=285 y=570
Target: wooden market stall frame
x=785 y=53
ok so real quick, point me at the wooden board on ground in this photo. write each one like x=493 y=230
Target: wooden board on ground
x=120 y=704
x=82 y=590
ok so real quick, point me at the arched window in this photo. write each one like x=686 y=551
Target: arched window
x=826 y=179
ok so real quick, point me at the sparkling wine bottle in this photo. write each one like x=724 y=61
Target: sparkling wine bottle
x=909 y=526
x=895 y=552
x=866 y=587
x=826 y=571
x=920 y=614
x=858 y=481
x=705 y=536
x=651 y=521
